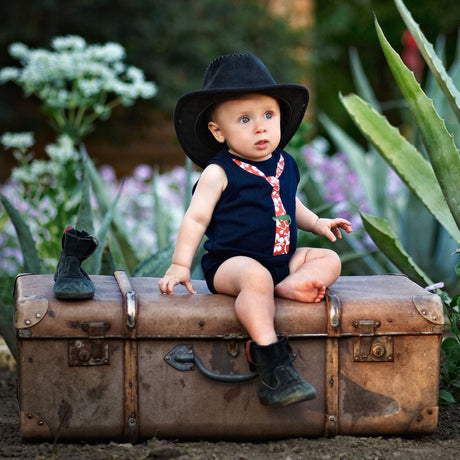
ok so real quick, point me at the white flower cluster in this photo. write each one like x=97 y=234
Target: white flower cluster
x=62 y=151
x=75 y=74
x=20 y=141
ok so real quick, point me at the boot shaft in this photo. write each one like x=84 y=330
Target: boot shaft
x=79 y=244
x=71 y=281
x=280 y=383
x=269 y=356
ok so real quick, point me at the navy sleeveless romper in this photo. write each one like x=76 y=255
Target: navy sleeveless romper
x=243 y=221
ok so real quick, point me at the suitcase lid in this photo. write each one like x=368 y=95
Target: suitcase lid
x=355 y=306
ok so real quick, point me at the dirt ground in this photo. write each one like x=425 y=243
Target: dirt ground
x=444 y=444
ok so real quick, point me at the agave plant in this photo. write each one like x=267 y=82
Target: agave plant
x=434 y=180
x=432 y=248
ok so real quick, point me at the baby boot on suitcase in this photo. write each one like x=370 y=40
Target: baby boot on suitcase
x=71 y=281
x=280 y=383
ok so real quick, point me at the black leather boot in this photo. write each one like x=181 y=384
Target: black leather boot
x=71 y=281
x=280 y=383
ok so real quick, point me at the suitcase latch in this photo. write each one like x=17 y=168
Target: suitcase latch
x=369 y=347
x=93 y=351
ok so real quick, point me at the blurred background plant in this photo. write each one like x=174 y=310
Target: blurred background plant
x=76 y=84
x=430 y=167
x=387 y=198
x=308 y=46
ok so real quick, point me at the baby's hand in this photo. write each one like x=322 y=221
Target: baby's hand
x=330 y=228
x=176 y=274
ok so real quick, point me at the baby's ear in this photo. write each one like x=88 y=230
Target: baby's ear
x=216 y=131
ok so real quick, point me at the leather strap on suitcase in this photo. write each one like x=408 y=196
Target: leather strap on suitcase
x=332 y=364
x=131 y=403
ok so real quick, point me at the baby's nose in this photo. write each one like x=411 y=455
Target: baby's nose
x=260 y=127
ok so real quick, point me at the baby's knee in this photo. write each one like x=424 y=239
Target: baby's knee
x=257 y=277
x=333 y=260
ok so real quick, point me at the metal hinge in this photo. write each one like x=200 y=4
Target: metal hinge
x=93 y=351
x=369 y=347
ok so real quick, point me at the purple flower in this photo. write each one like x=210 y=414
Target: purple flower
x=107 y=173
x=143 y=173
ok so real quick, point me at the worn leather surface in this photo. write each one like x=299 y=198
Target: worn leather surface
x=133 y=389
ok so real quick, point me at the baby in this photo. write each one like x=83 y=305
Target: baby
x=245 y=203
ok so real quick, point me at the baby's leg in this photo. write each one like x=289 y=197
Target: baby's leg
x=312 y=270
x=252 y=285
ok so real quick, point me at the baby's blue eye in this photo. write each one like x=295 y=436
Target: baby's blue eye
x=268 y=115
x=244 y=119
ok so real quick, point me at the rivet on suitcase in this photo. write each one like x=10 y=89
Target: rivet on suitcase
x=132 y=363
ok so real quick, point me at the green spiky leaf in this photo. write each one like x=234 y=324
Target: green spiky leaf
x=434 y=63
x=364 y=89
x=404 y=158
x=121 y=245
x=384 y=238
x=85 y=210
x=438 y=141
x=32 y=261
x=96 y=260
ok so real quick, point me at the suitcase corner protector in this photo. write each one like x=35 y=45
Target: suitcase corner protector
x=30 y=310
x=430 y=307
x=34 y=427
x=425 y=422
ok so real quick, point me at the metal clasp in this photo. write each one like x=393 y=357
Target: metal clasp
x=369 y=347
x=93 y=351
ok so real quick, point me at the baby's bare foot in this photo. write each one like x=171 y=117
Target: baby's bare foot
x=297 y=288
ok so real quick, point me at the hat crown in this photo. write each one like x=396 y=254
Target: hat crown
x=237 y=71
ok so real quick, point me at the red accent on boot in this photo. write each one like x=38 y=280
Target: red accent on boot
x=248 y=343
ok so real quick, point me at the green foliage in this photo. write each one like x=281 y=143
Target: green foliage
x=355 y=256
x=121 y=246
x=76 y=84
x=439 y=143
x=434 y=62
x=32 y=262
x=6 y=312
x=431 y=249
x=389 y=244
x=416 y=172
x=342 y=25
x=435 y=181
x=450 y=366
x=51 y=189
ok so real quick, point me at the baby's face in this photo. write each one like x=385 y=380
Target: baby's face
x=250 y=125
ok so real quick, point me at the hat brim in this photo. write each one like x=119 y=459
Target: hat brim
x=191 y=123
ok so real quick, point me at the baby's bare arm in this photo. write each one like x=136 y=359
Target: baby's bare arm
x=207 y=193
x=306 y=219
x=330 y=228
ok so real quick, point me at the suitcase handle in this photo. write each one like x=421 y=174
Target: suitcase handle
x=183 y=358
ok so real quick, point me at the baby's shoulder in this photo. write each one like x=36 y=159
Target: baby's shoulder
x=214 y=174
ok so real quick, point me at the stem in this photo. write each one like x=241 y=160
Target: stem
x=91 y=118
x=80 y=115
x=59 y=117
x=72 y=100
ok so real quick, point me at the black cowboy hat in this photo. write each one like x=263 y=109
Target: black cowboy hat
x=228 y=76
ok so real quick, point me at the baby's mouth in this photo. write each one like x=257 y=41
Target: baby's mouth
x=262 y=144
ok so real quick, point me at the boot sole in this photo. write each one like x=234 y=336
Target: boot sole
x=73 y=296
x=294 y=399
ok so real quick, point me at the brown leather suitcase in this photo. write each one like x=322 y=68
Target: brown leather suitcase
x=132 y=363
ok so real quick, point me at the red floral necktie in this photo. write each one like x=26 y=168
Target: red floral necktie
x=282 y=220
